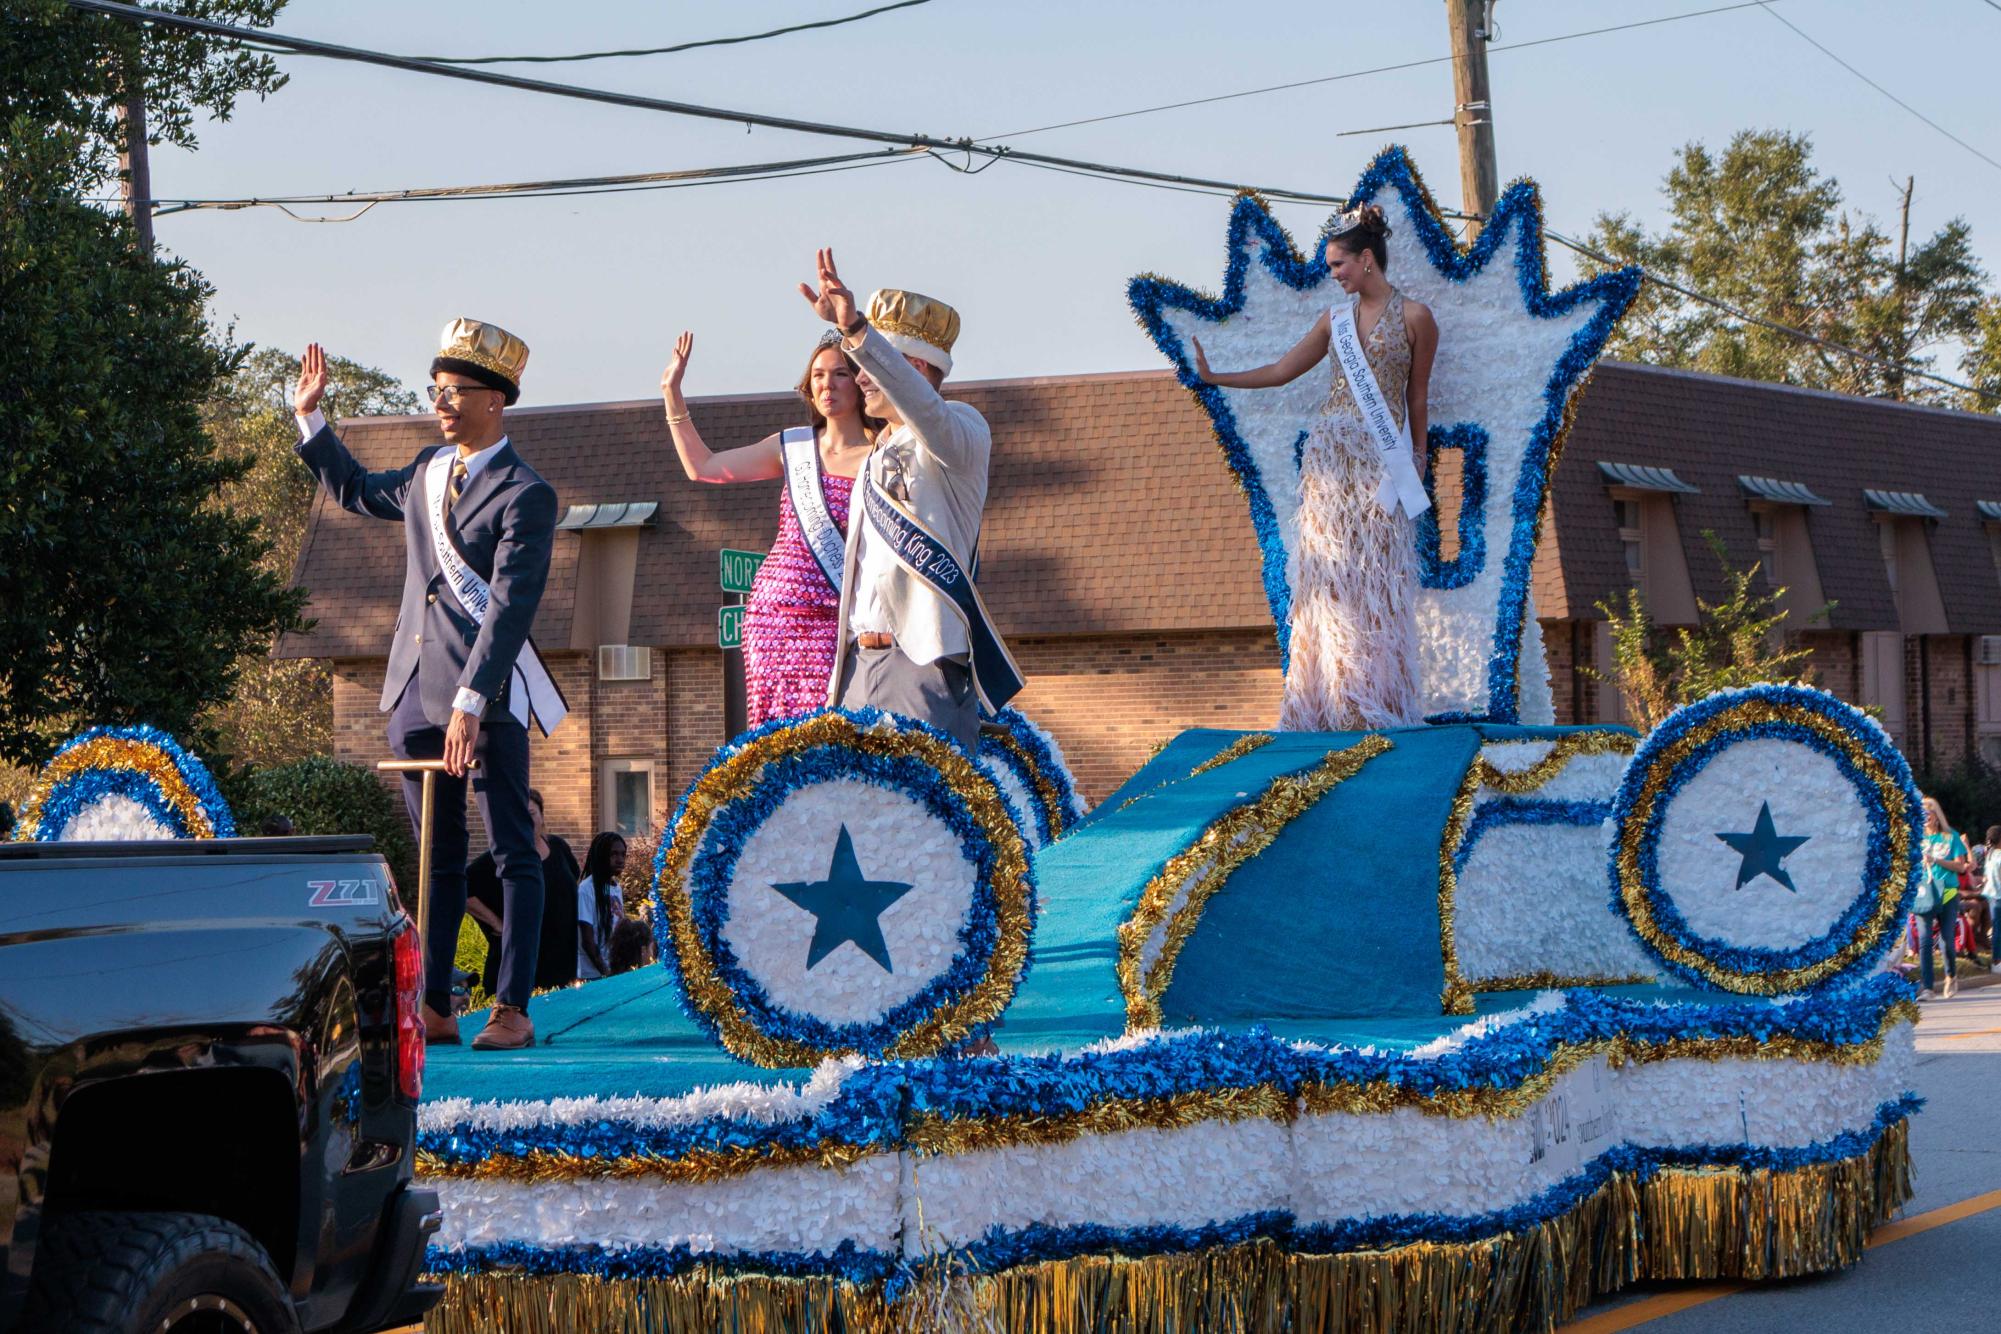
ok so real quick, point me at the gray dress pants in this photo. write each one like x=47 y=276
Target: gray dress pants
x=939 y=693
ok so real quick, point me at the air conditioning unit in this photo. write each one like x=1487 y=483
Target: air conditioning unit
x=625 y=662
x=1989 y=652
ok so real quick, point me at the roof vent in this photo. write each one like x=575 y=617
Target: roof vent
x=1639 y=477
x=1901 y=502
x=1779 y=493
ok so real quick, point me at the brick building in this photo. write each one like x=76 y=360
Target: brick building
x=1889 y=512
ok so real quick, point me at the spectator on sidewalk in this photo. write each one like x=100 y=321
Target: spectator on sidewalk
x=1937 y=905
x=600 y=905
x=1990 y=890
x=555 y=964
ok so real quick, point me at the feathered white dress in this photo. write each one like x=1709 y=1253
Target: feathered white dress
x=1353 y=569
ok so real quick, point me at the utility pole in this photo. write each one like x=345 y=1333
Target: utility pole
x=1903 y=352
x=1472 y=26
x=134 y=169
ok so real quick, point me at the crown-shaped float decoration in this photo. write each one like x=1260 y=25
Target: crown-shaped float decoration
x=1512 y=356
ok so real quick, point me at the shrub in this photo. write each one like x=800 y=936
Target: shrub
x=323 y=795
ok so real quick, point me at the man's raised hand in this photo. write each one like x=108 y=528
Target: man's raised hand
x=833 y=302
x=312 y=381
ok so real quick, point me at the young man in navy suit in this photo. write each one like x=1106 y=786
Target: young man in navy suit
x=464 y=678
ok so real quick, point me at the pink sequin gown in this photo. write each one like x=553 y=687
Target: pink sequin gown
x=789 y=618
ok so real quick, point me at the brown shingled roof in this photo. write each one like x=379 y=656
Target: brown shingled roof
x=1709 y=429
x=1096 y=477
x=1093 y=476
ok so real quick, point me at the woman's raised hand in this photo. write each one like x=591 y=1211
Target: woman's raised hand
x=677 y=365
x=1201 y=361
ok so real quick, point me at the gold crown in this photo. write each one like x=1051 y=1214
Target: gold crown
x=915 y=316
x=487 y=346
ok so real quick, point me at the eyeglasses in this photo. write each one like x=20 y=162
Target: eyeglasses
x=449 y=394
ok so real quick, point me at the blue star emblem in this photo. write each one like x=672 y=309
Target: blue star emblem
x=1763 y=850
x=847 y=907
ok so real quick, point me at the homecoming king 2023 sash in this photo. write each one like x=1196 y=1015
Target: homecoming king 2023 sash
x=996 y=679
x=809 y=502
x=535 y=690
x=1400 y=485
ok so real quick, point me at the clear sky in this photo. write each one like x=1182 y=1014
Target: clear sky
x=1035 y=261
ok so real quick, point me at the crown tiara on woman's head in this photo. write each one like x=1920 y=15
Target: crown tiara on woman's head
x=1346 y=222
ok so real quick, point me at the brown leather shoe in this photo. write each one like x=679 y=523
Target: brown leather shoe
x=440 y=1030
x=507 y=1029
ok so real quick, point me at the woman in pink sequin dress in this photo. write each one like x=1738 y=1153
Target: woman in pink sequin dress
x=789 y=621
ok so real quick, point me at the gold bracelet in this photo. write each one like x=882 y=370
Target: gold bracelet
x=672 y=420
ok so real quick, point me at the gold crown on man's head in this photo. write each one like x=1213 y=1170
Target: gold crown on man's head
x=916 y=325
x=486 y=352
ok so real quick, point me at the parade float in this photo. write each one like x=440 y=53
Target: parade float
x=1446 y=1027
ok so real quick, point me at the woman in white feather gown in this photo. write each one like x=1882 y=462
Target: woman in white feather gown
x=1353 y=568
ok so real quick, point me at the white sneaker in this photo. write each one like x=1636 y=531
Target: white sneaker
x=1926 y=994
x=1951 y=986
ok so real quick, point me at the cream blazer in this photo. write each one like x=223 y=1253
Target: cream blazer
x=942 y=448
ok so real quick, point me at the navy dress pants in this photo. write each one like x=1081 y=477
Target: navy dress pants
x=500 y=786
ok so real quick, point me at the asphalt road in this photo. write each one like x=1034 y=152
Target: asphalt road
x=1940 y=1276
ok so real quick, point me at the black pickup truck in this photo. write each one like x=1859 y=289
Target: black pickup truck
x=210 y=1059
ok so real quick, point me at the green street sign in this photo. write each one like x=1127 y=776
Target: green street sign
x=739 y=569
x=729 y=627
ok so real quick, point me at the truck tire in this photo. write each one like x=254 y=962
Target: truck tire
x=154 y=1273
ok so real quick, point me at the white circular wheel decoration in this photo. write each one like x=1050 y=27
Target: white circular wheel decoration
x=846 y=883
x=1766 y=840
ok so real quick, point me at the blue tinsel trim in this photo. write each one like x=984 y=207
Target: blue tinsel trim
x=847 y=1262
x=1501 y=811
x=1250 y=219
x=1005 y=1248
x=875 y=1103
x=85 y=787
x=1470 y=439
x=1049 y=763
x=1864 y=735
x=714 y=863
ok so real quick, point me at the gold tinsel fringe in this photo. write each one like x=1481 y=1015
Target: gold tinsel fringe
x=1683 y=1223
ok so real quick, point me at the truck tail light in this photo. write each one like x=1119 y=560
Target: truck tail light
x=408 y=959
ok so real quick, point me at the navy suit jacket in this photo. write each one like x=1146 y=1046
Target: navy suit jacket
x=506 y=524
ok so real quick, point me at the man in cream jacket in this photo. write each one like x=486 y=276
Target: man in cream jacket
x=914 y=638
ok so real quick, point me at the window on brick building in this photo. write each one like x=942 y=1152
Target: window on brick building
x=1632 y=536
x=1883 y=679
x=1886 y=537
x=1779 y=515
x=625 y=801
x=1769 y=554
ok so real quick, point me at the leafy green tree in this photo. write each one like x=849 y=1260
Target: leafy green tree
x=1735 y=642
x=131 y=594
x=1760 y=228
x=282 y=708
x=67 y=74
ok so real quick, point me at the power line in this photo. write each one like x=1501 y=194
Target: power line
x=1379 y=69
x=333 y=51
x=670 y=50
x=1909 y=369
x=937 y=146
x=1802 y=34
x=584 y=185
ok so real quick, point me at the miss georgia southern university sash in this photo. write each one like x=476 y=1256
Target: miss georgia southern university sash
x=996 y=679
x=809 y=502
x=1400 y=485
x=536 y=691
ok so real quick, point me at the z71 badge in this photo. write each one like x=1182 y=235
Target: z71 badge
x=343 y=893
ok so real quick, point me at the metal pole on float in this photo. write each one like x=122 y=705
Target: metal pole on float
x=430 y=769
x=1472 y=26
